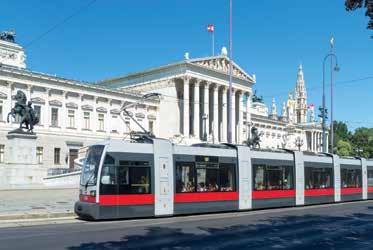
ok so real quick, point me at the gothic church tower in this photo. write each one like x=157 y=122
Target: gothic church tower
x=301 y=98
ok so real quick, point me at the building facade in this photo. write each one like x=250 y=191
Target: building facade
x=192 y=108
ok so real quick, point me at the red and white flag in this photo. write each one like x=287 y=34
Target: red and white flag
x=311 y=106
x=210 y=28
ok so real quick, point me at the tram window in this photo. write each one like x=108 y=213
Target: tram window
x=133 y=180
x=207 y=177
x=318 y=178
x=108 y=183
x=370 y=178
x=227 y=177
x=185 y=177
x=91 y=164
x=351 y=178
x=259 y=178
x=273 y=177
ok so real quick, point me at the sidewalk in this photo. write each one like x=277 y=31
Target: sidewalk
x=37 y=203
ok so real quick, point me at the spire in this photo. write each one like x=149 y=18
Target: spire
x=274 y=107
x=301 y=97
x=273 y=114
x=284 y=112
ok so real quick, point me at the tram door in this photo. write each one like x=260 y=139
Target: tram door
x=163 y=178
x=337 y=178
x=365 y=178
x=245 y=178
x=299 y=178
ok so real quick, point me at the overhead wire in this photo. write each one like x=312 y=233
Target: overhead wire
x=65 y=20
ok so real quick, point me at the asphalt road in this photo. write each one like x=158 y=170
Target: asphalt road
x=340 y=226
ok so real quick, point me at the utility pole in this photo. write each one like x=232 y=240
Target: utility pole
x=230 y=75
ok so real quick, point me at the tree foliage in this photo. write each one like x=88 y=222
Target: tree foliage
x=358 y=143
x=352 y=5
x=344 y=148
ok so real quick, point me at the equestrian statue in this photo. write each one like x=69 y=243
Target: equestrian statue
x=24 y=113
x=254 y=140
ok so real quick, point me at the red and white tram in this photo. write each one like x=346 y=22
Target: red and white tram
x=122 y=179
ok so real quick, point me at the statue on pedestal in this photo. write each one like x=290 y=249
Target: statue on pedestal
x=25 y=112
x=254 y=140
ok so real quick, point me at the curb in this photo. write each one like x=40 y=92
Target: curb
x=36 y=216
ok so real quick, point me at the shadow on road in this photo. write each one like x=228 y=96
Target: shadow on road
x=286 y=232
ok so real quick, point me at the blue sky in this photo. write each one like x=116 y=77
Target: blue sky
x=271 y=38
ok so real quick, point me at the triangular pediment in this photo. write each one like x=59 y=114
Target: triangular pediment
x=38 y=100
x=221 y=64
x=3 y=95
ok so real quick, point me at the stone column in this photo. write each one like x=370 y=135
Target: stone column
x=8 y=105
x=215 y=121
x=224 y=115
x=47 y=111
x=248 y=114
x=63 y=116
x=206 y=108
x=196 y=114
x=186 y=107
x=240 y=118
x=234 y=138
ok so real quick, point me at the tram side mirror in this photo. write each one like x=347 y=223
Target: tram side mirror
x=105 y=180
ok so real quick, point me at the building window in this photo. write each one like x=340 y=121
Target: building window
x=57 y=155
x=39 y=155
x=114 y=124
x=128 y=126
x=1 y=113
x=54 y=117
x=71 y=118
x=87 y=119
x=101 y=122
x=2 y=147
x=151 y=127
x=37 y=110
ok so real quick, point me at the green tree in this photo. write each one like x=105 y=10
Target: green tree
x=341 y=132
x=352 y=5
x=344 y=148
x=362 y=142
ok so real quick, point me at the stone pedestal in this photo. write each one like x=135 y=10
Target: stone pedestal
x=21 y=168
x=21 y=149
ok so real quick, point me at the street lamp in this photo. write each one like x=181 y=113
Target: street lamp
x=299 y=142
x=331 y=55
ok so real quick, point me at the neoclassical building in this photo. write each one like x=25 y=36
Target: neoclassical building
x=192 y=108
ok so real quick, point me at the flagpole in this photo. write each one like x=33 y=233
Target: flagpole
x=213 y=42
x=230 y=76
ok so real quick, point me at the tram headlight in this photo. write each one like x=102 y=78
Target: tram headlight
x=92 y=193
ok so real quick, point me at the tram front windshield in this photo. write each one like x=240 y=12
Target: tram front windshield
x=91 y=165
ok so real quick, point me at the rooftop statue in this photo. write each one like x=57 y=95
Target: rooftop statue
x=8 y=36
x=24 y=113
x=257 y=98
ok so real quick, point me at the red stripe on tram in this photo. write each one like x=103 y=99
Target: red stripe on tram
x=351 y=190
x=319 y=192
x=204 y=197
x=273 y=194
x=370 y=189
x=132 y=199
